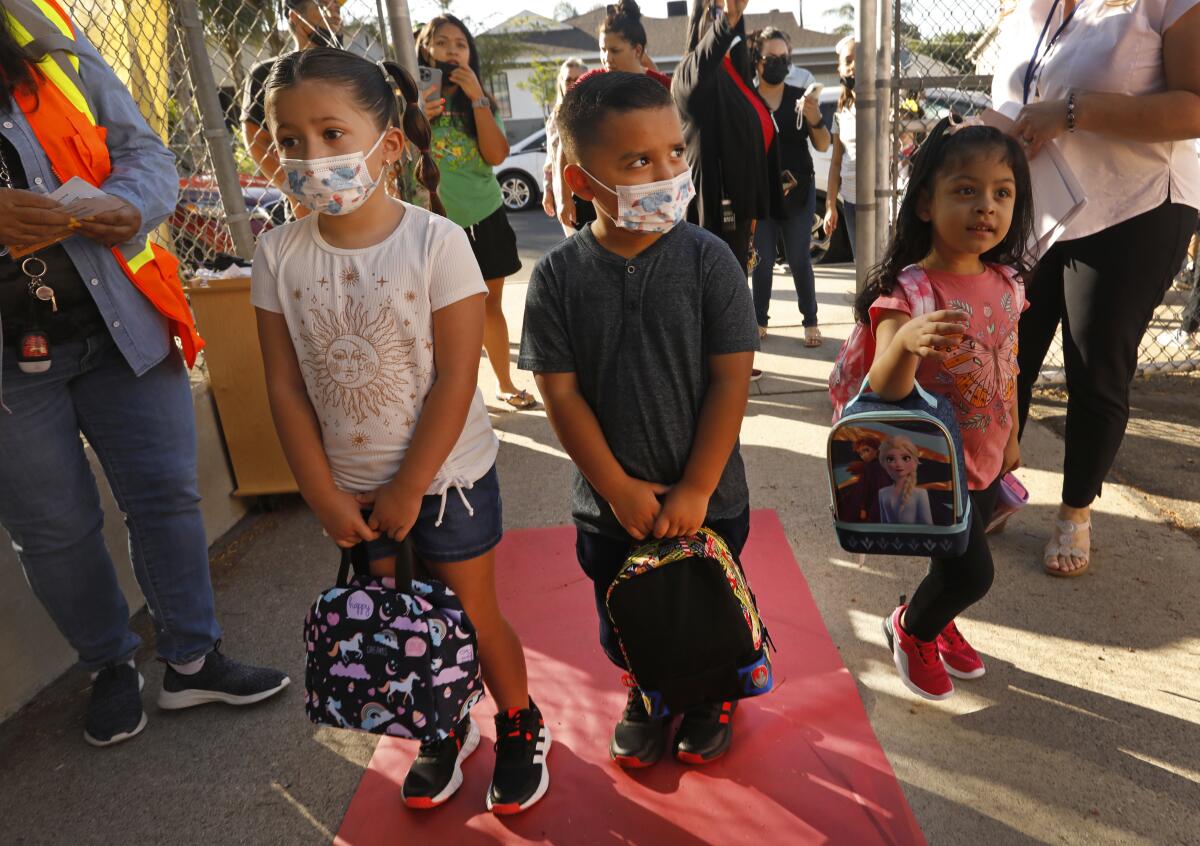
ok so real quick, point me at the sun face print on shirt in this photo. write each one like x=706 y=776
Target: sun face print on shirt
x=359 y=362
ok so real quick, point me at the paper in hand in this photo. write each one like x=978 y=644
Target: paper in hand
x=81 y=201
x=1057 y=195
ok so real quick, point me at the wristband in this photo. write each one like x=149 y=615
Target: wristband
x=1071 y=112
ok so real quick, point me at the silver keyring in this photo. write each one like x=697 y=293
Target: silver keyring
x=25 y=268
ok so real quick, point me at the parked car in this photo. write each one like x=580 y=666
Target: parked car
x=198 y=225
x=520 y=175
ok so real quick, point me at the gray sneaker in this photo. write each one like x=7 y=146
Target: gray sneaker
x=221 y=679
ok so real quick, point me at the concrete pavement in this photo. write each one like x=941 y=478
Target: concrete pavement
x=1086 y=728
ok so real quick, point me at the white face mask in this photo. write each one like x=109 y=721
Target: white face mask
x=332 y=185
x=653 y=207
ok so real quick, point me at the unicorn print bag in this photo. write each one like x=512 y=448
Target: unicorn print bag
x=395 y=657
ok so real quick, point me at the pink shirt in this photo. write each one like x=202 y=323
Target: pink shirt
x=980 y=376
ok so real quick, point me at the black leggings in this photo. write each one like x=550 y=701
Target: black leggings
x=1104 y=289
x=955 y=584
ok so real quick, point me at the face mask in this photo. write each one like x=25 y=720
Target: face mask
x=847 y=82
x=654 y=207
x=775 y=70
x=333 y=185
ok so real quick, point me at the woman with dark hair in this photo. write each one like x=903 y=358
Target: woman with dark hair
x=89 y=327
x=798 y=119
x=623 y=42
x=731 y=139
x=1115 y=85
x=468 y=141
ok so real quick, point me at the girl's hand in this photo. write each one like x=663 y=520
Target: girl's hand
x=831 y=218
x=394 y=509
x=29 y=218
x=636 y=506
x=341 y=518
x=548 y=204
x=465 y=78
x=683 y=512
x=1040 y=123
x=933 y=335
x=434 y=107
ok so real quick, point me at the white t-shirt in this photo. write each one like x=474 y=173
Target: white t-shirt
x=1106 y=48
x=845 y=127
x=362 y=325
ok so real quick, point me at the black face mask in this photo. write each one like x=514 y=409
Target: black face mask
x=775 y=70
x=847 y=82
x=325 y=38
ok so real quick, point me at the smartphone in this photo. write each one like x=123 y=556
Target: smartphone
x=814 y=90
x=430 y=81
x=789 y=182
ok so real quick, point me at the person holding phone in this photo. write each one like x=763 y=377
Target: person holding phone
x=468 y=141
x=798 y=117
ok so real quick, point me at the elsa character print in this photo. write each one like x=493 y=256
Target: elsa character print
x=902 y=501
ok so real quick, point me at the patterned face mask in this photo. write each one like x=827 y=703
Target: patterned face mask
x=332 y=185
x=653 y=207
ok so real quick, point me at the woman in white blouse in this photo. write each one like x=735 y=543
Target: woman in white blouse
x=1116 y=85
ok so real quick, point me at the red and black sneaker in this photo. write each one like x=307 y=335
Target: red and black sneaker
x=704 y=733
x=436 y=774
x=638 y=740
x=960 y=658
x=521 y=776
x=917 y=661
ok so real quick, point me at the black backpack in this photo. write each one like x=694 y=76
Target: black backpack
x=688 y=624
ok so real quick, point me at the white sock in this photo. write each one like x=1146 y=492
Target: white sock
x=97 y=672
x=190 y=668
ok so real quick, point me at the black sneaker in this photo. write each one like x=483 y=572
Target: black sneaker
x=521 y=777
x=221 y=679
x=638 y=740
x=704 y=733
x=115 y=712
x=436 y=775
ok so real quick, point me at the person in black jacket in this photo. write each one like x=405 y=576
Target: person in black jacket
x=730 y=138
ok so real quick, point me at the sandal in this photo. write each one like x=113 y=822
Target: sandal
x=812 y=336
x=518 y=400
x=1064 y=546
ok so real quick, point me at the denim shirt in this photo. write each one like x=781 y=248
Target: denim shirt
x=143 y=174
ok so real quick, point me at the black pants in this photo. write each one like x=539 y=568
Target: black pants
x=602 y=557
x=955 y=584
x=1104 y=289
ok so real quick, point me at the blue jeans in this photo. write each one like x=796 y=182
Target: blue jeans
x=144 y=433
x=797 y=238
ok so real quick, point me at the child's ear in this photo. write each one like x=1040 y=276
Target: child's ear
x=578 y=182
x=393 y=144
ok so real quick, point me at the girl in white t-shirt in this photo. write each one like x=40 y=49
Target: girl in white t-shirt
x=370 y=316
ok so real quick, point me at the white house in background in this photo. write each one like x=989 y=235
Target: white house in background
x=550 y=40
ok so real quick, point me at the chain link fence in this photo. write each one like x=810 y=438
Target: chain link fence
x=145 y=43
x=944 y=54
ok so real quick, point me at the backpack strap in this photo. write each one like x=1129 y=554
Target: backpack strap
x=1013 y=278
x=918 y=290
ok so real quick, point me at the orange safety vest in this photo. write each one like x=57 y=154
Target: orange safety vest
x=65 y=125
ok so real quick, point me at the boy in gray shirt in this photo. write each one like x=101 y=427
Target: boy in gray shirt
x=640 y=331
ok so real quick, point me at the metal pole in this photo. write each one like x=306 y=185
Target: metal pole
x=885 y=145
x=866 y=104
x=400 y=23
x=212 y=118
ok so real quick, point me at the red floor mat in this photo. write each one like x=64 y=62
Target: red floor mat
x=805 y=766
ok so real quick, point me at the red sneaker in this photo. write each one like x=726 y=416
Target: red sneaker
x=961 y=660
x=917 y=661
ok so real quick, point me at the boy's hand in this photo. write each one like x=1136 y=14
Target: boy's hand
x=341 y=518
x=636 y=506
x=394 y=509
x=683 y=512
x=933 y=335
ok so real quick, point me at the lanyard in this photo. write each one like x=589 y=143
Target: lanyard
x=1035 y=62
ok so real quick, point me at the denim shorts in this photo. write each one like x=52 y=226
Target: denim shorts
x=461 y=535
